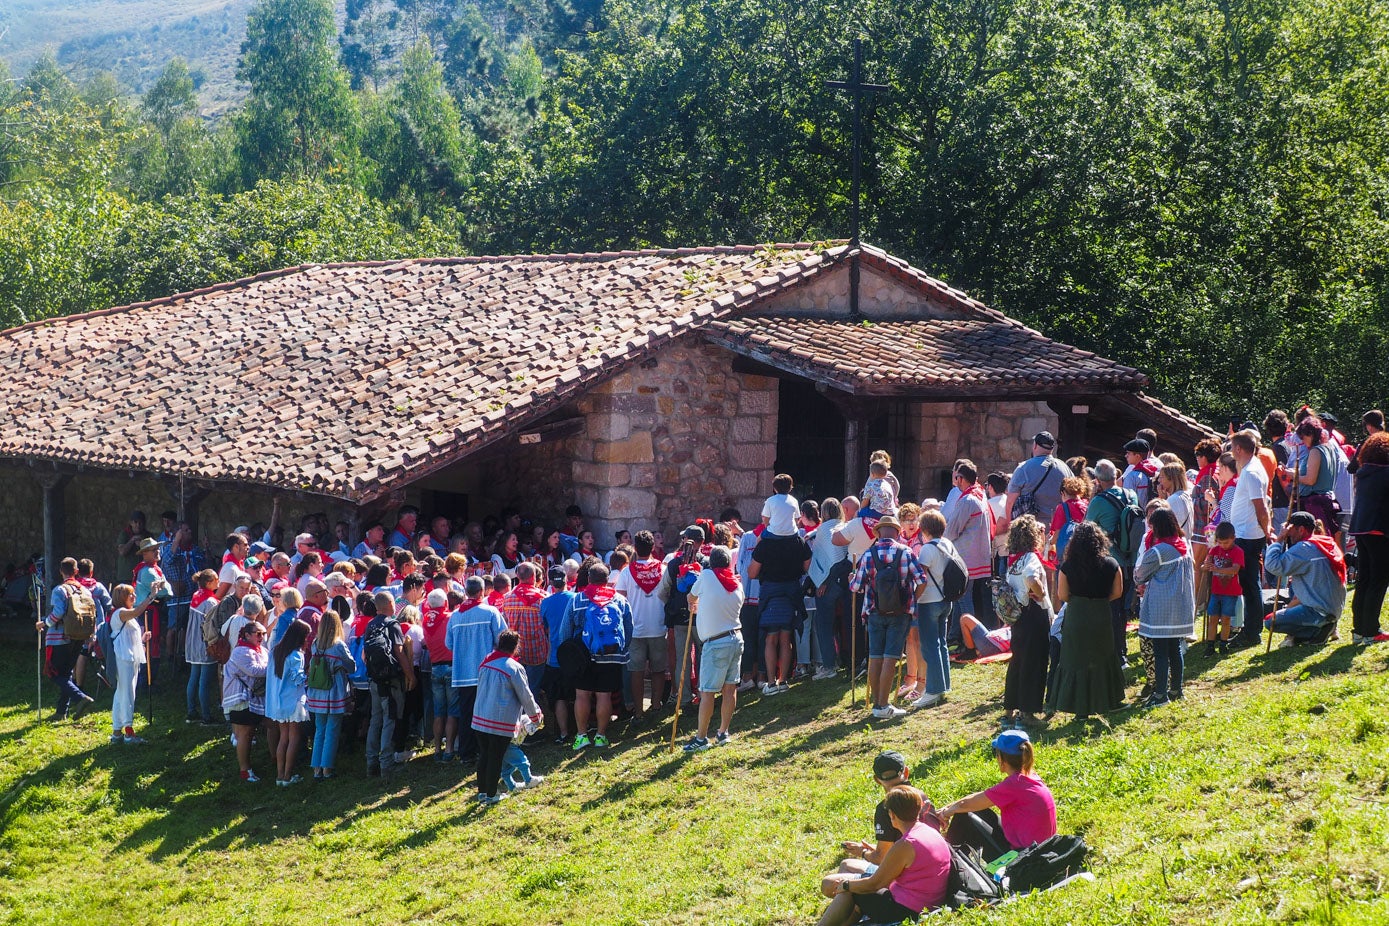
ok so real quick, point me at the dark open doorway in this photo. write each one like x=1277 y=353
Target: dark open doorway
x=810 y=441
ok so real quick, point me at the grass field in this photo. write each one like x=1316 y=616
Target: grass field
x=1262 y=798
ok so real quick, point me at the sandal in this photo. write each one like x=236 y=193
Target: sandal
x=908 y=686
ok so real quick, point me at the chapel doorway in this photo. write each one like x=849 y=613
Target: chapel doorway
x=810 y=441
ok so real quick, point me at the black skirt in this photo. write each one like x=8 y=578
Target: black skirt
x=1026 y=682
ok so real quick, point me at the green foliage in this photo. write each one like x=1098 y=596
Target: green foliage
x=300 y=117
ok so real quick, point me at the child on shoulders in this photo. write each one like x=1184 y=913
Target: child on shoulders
x=781 y=510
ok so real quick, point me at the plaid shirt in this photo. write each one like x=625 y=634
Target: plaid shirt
x=534 y=649
x=866 y=572
x=179 y=567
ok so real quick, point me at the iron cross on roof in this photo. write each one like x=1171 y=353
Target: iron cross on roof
x=857 y=88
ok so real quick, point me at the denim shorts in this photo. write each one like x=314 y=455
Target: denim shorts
x=441 y=682
x=887 y=636
x=721 y=663
x=1222 y=605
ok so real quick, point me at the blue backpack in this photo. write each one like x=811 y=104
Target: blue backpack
x=603 y=631
x=1063 y=536
x=359 y=675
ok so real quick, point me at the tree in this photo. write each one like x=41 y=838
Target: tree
x=299 y=118
x=174 y=158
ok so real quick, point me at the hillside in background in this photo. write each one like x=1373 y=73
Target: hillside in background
x=132 y=40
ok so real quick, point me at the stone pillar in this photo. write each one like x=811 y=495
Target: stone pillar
x=54 y=524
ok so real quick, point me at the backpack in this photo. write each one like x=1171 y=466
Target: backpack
x=678 y=604
x=359 y=674
x=954 y=577
x=1027 y=501
x=320 y=673
x=1007 y=605
x=1043 y=864
x=603 y=632
x=891 y=597
x=970 y=884
x=79 y=618
x=378 y=652
x=219 y=648
x=1128 y=532
x=1063 y=536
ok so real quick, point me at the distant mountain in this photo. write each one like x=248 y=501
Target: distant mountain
x=131 y=39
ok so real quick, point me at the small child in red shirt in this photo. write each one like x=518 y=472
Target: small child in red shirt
x=1224 y=563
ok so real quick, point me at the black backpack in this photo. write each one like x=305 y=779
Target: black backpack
x=970 y=884
x=378 y=652
x=1043 y=864
x=891 y=598
x=954 y=577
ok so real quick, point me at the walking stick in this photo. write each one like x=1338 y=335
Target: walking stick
x=680 y=683
x=149 y=673
x=36 y=589
x=853 y=656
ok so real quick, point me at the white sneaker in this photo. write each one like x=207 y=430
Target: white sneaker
x=746 y=685
x=888 y=713
x=769 y=689
x=535 y=782
x=928 y=700
x=402 y=757
x=783 y=688
x=823 y=673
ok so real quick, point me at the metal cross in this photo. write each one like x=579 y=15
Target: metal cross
x=857 y=88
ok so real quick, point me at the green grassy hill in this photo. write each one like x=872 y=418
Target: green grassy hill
x=132 y=40
x=1262 y=798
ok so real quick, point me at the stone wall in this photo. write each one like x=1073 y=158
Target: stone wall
x=99 y=504
x=995 y=435
x=670 y=440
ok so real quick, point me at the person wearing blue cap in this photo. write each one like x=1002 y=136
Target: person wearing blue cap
x=1013 y=814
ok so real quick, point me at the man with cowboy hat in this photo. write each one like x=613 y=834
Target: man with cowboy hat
x=147 y=574
x=888 y=603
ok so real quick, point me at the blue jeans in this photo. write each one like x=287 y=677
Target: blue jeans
x=1300 y=622
x=931 y=622
x=325 y=740
x=201 y=677
x=514 y=760
x=535 y=680
x=825 y=606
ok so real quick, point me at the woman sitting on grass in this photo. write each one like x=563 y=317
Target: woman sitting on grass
x=911 y=878
x=1025 y=811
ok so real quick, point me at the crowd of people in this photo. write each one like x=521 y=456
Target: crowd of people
x=463 y=640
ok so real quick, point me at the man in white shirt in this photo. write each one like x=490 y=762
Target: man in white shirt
x=718 y=600
x=1251 y=515
x=639 y=582
x=852 y=533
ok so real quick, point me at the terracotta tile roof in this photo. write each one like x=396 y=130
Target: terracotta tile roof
x=985 y=356
x=350 y=380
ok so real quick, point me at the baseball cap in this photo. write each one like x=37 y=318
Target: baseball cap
x=693 y=532
x=259 y=548
x=1303 y=519
x=557 y=575
x=1010 y=742
x=1137 y=445
x=1044 y=439
x=889 y=765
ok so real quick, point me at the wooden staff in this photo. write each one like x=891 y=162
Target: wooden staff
x=680 y=683
x=853 y=656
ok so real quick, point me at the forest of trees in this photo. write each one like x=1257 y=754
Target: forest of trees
x=1199 y=188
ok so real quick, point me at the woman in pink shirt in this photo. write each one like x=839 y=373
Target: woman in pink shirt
x=1025 y=811
x=911 y=878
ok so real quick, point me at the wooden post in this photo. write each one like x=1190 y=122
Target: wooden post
x=54 y=524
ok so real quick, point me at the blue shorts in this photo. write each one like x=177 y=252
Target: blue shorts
x=720 y=663
x=446 y=700
x=1222 y=605
x=887 y=636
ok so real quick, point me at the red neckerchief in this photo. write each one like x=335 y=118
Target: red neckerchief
x=1179 y=542
x=1227 y=487
x=757 y=531
x=253 y=647
x=201 y=595
x=1328 y=548
x=1013 y=558
x=87 y=582
x=646 y=573
x=359 y=624
x=528 y=593
x=687 y=568
x=1205 y=471
x=726 y=578
x=1147 y=466
x=599 y=594
x=468 y=604
x=495 y=597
